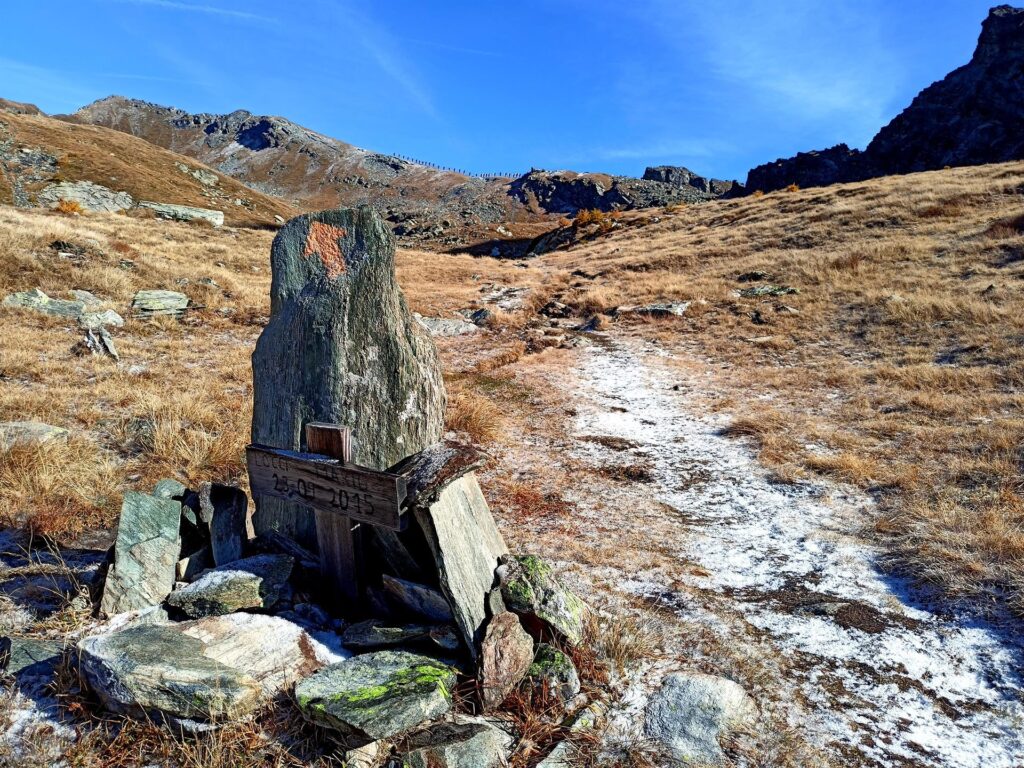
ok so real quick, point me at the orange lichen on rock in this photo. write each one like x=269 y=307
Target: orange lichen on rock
x=323 y=241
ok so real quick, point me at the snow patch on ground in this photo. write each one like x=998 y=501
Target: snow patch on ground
x=885 y=671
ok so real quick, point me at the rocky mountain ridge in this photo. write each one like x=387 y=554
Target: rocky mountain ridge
x=972 y=116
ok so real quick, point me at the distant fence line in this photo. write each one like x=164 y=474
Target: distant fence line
x=436 y=167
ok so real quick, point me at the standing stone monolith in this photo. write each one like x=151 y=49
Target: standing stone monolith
x=341 y=347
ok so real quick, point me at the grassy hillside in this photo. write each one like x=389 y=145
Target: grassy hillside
x=898 y=365
x=122 y=162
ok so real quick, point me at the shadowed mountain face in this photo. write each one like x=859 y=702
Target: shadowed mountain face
x=972 y=116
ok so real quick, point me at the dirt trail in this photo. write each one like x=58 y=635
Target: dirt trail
x=884 y=676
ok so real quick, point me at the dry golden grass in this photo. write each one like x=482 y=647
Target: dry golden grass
x=898 y=366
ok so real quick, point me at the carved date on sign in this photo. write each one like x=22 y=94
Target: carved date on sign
x=326 y=484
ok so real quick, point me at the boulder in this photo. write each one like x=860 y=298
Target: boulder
x=156 y=302
x=206 y=670
x=530 y=589
x=462 y=742
x=102 y=319
x=446 y=326
x=418 y=599
x=377 y=695
x=38 y=301
x=341 y=347
x=254 y=582
x=145 y=554
x=690 y=713
x=554 y=673
x=92 y=197
x=466 y=545
x=27 y=434
x=505 y=656
x=184 y=213
x=375 y=634
x=223 y=509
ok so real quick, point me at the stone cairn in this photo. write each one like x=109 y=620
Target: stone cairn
x=370 y=629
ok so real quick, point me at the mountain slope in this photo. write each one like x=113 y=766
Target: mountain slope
x=972 y=116
x=36 y=151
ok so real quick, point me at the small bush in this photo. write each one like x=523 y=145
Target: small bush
x=591 y=216
x=69 y=208
x=793 y=188
x=757 y=193
x=563 y=222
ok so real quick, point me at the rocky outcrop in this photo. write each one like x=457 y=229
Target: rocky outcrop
x=970 y=117
x=341 y=347
x=92 y=197
x=569 y=192
x=678 y=176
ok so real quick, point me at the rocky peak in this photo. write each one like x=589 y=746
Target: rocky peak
x=1001 y=33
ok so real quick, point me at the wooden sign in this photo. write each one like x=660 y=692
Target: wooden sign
x=327 y=485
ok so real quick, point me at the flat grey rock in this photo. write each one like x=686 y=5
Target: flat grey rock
x=377 y=695
x=184 y=212
x=107 y=317
x=92 y=197
x=375 y=634
x=446 y=326
x=661 y=309
x=466 y=546
x=26 y=434
x=253 y=582
x=461 y=742
x=145 y=554
x=418 y=599
x=151 y=303
x=207 y=670
x=690 y=714
x=38 y=301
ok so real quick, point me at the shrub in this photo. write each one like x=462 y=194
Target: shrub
x=757 y=193
x=69 y=208
x=563 y=222
x=592 y=216
x=793 y=188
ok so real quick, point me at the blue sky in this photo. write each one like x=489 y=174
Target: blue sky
x=716 y=85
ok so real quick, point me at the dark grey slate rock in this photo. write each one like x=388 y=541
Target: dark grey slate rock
x=529 y=588
x=253 y=582
x=145 y=554
x=223 y=509
x=690 y=714
x=377 y=695
x=554 y=673
x=190 y=566
x=418 y=599
x=375 y=634
x=341 y=347
x=28 y=659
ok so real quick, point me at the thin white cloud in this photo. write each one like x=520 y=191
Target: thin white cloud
x=213 y=10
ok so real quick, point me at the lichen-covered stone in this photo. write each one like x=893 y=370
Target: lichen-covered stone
x=27 y=434
x=150 y=303
x=38 y=301
x=462 y=742
x=554 y=673
x=253 y=582
x=529 y=587
x=145 y=554
x=377 y=695
x=341 y=347
x=184 y=212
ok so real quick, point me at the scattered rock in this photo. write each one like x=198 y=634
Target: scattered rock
x=418 y=599
x=767 y=290
x=90 y=300
x=92 y=197
x=40 y=302
x=254 y=582
x=529 y=588
x=375 y=634
x=28 y=434
x=566 y=754
x=377 y=695
x=481 y=317
x=505 y=656
x=97 y=342
x=184 y=213
x=445 y=326
x=556 y=309
x=753 y=277
x=205 y=670
x=662 y=309
x=102 y=319
x=30 y=660
x=462 y=742
x=555 y=673
x=156 y=302
x=145 y=554
x=689 y=714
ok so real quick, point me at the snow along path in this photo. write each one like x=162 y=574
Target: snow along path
x=886 y=679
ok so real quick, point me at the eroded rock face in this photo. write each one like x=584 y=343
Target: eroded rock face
x=145 y=554
x=377 y=695
x=529 y=587
x=690 y=713
x=205 y=670
x=341 y=347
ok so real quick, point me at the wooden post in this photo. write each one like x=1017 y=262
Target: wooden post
x=339 y=555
